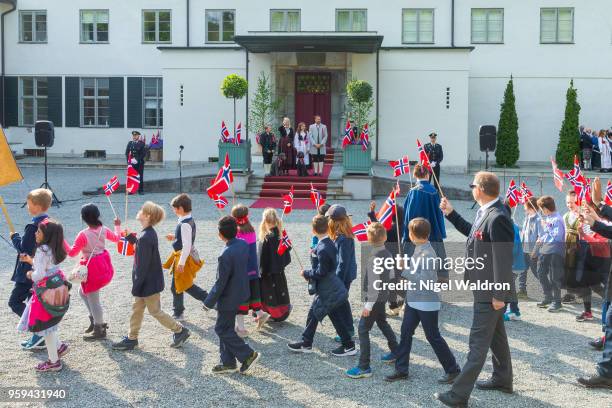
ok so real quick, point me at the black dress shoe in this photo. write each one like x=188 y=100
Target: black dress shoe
x=450 y=399
x=492 y=385
x=596 y=381
x=448 y=378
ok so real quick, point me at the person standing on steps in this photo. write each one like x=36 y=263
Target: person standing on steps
x=135 y=153
x=286 y=145
x=318 y=138
x=435 y=155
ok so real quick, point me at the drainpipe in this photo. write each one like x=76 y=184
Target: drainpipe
x=453 y=23
x=14 y=6
x=187 y=25
x=246 y=121
x=377 y=104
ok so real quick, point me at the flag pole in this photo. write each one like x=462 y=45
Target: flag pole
x=112 y=207
x=437 y=182
x=233 y=195
x=126 y=204
x=399 y=247
x=7 y=217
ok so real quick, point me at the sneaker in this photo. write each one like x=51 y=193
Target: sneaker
x=222 y=369
x=568 y=299
x=544 y=304
x=522 y=294
x=555 y=307
x=261 y=320
x=357 y=372
x=598 y=343
x=396 y=376
x=46 y=366
x=584 y=316
x=36 y=342
x=344 y=351
x=388 y=358
x=179 y=317
x=511 y=316
x=125 y=344
x=62 y=350
x=300 y=347
x=249 y=363
x=179 y=338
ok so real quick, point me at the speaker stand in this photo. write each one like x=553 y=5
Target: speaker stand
x=55 y=201
x=486 y=160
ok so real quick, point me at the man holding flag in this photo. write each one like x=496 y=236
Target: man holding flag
x=135 y=153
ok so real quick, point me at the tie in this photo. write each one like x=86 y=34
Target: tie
x=479 y=214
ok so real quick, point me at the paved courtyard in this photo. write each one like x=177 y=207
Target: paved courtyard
x=549 y=350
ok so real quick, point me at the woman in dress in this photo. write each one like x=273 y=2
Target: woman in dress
x=605 y=150
x=302 y=142
x=285 y=144
x=268 y=145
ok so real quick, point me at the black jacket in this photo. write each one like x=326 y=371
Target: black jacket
x=603 y=229
x=270 y=262
x=267 y=142
x=25 y=245
x=137 y=149
x=147 y=273
x=282 y=132
x=434 y=153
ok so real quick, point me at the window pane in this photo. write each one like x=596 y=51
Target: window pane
x=42 y=110
x=164 y=17
x=343 y=20
x=28 y=111
x=212 y=25
x=228 y=26
x=27 y=86
x=149 y=16
x=102 y=32
x=41 y=87
x=149 y=36
x=276 y=21
x=149 y=25
x=426 y=26
x=87 y=32
x=164 y=26
x=87 y=16
x=293 y=21
x=566 y=26
x=359 y=20
x=102 y=17
x=213 y=36
x=164 y=36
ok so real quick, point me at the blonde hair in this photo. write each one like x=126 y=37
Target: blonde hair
x=377 y=234
x=342 y=226
x=269 y=216
x=41 y=197
x=155 y=213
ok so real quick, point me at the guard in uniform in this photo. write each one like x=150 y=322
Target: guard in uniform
x=435 y=155
x=135 y=153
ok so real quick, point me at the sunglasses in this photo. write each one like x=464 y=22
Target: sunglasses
x=472 y=186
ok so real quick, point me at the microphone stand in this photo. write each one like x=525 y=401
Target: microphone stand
x=181 y=147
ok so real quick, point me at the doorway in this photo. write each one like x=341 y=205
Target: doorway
x=313 y=97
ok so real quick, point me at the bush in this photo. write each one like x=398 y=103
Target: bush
x=359 y=91
x=569 y=135
x=234 y=86
x=507 y=150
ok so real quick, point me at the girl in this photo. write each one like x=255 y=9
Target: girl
x=50 y=298
x=274 y=290
x=605 y=151
x=246 y=232
x=90 y=242
x=301 y=142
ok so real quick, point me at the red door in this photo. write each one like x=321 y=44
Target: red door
x=313 y=97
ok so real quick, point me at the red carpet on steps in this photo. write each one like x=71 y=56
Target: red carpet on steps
x=273 y=188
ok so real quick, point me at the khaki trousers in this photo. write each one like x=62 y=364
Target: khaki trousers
x=153 y=305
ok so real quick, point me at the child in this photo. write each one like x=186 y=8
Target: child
x=246 y=232
x=375 y=298
x=50 y=299
x=230 y=290
x=90 y=242
x=529 y=235
x=274 y=288
x=38 y=202
x=571 y=223
x=301 y=165
x=518 y=266
x=148 y=281
x=550 y=250
x=329 y=294
x=422 y=306
x=184 y=263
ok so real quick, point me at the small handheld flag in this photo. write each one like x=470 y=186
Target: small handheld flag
x=365 y=137
x=288 y=202
x=386 y=212
x=513 y=196
x=401 y=166
x=133 y=180
x=220 y=201
x=223 y=180
x=525 y=193
x=423 y=158
x=225 y=134
x=608 y=198
x=238 y=134
x=124 y=247
x=284 y=244
x=558 y=175
x=360 y=231
x=111 y=186
x=348 y=135
x=315 y=197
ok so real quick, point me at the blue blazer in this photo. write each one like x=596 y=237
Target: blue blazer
x=232 y=285
x=347 y=264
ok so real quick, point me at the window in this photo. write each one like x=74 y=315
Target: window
x=488 y=26
x=94 y=102
x=556 y=25
x=33 y=26
x=284 y=20
x=33 y=103
x=220 y=26
x=94 y=26
x=156 y=26
x=351 y=20
x=152 y=93
x=418 y=26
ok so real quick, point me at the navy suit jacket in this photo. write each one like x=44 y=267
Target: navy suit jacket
x=232 y=285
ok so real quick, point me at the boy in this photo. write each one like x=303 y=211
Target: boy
x=550 y=250
x=374 y=307
x=230 y=290
x=529 y=236
x=38 y=202
x=148 y=281
x=329 y=294
x=422 y=306
x=184 y=270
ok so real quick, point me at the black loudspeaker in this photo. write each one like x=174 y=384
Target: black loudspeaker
x=488 y=138
x=44 y=133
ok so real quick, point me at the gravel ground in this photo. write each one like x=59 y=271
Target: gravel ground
x=548 y=350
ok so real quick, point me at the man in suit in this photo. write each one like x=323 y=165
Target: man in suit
x=135 y=153
x=490 y=239
x=317 y=132
x=230 y=290
x=435 y=155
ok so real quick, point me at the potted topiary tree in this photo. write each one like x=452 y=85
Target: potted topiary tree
x=356 y=158
x=569 y=135
x=235 y=87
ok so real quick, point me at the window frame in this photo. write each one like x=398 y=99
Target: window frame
x=221 y=11
x=433 y=25
x=351 y=11
x=157 y=31
x=488 y=10
x=95 y=31
x=96 y=97
x=286 y=19
x=34 y=14
x=159 y=116
x=557 y=9
x=34 y=97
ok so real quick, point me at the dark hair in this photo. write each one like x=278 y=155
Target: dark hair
x=323 y=208
x=228 y=227
x=182 y=201
x=419 y=227
x=91 y=215
x=547 y=202
x=319 y=224
x=53 y=237
x=241 y=213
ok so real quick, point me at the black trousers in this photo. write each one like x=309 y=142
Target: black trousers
x=20 y=293
x=231 y=347
x=436 y=171
x=178 y=301
x=378 y=316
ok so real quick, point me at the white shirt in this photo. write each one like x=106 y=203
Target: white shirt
x=185 y=238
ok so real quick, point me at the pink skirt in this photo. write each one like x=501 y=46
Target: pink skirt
x=99 y=272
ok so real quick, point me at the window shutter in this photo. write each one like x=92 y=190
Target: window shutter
x=73 y=104
x=54 y=88
x=116 y=102
x=134 y=102
x=12 y=101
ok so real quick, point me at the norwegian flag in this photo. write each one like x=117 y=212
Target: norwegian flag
x=111 y=186
x=513 y=195
x=580 y=184
x=133 y=180
x=401 y=166
x=387 y=211
x=423 y=158
x=558 y=175
x=238 y=134
x=525 y=193
x=223 y=180
x=316 y=197
x=124 y=247
x=608 y=197
x=220 y=201
x=575 y=173
x=284 y=244
x=348 y=135
x=288 y=202
x=225 y=134
x=360 y=231
x=365 y=137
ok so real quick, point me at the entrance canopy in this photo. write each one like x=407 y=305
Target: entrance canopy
x=305 y=41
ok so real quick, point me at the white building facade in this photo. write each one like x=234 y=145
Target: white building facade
x=100 y=68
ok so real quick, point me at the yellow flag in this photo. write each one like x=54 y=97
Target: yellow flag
x=9 y=171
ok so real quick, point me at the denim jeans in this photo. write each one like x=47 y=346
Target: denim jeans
x=604 y=367
x=378 y=316
x=532 y=265
x=550 y=273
